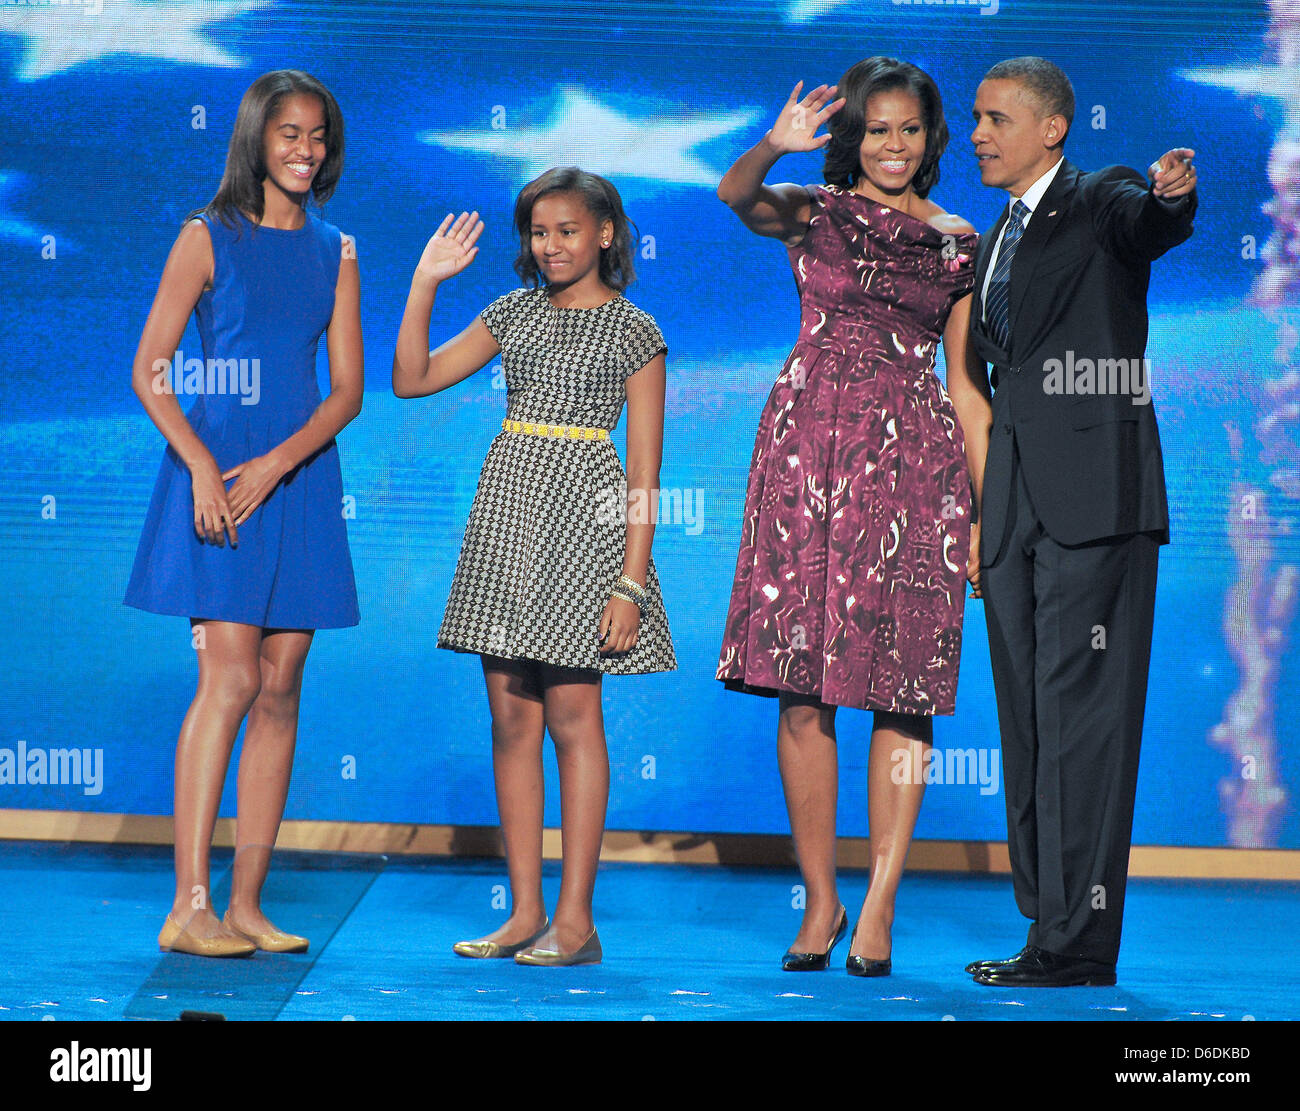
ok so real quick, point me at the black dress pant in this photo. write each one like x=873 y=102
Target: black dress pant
x=1070 y=643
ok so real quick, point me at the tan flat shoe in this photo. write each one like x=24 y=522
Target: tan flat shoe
x=273 y=941
x=174 y=938
x=589 y=952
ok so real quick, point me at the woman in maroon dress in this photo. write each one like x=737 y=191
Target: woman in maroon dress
x=854 y=548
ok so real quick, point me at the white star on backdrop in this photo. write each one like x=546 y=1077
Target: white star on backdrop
x=805 y=11
x=10 y=226
x=583 y=132
x=1276 y=82
x=59 y=37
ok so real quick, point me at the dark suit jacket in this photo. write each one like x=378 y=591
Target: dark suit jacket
x=1089 y=447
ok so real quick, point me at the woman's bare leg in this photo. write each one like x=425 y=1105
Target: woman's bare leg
x=515 y=700
x=229 y=681
x=806 y=755
x=265 y=766
x=577 y=726
x=892 y=810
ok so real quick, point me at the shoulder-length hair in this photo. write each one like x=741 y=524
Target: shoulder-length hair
x=848 y=126
x=601 y=199
x=241 y=183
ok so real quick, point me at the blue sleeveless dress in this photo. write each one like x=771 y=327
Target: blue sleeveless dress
x=261 y=323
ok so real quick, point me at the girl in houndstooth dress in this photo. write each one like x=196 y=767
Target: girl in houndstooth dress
x=555 y=585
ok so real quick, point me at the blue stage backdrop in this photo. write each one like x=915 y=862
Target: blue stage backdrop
x=115 y=119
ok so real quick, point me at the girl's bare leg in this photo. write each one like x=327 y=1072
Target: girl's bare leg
x=229 y=681
x=515 y=700
x=265 y=766
x=806 y=755
x=577 y=726
x=892 y=810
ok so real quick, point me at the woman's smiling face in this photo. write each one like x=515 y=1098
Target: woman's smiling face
x=893 y=145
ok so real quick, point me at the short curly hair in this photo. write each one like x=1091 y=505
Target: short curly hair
x=1044 y=81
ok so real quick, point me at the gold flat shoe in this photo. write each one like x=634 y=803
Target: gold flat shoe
x=589 y=952
x=492 y=949
x=273 y=941
x=174 y=938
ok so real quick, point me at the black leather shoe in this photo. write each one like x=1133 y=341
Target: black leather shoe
x=815 y=962
x=865 y=966
x=1040 y=969
x=988 y=966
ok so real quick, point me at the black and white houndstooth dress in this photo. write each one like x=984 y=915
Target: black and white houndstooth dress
x=545 y=540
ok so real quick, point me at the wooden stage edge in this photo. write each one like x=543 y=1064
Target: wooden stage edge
x=979 y=857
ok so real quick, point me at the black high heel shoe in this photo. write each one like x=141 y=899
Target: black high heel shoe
x=862 y=966
x=815 y=962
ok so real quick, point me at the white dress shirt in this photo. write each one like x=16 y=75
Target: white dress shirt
x=1032 y=196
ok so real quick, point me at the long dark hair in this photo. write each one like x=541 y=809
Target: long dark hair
x=617 y=271
x=849 y=125
x=241 y=183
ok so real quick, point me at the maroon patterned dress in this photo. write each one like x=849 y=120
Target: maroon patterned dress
x=852 y=570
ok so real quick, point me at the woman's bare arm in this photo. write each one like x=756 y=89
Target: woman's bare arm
x=779 y=211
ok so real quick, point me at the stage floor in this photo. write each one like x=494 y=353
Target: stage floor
x=681 y=942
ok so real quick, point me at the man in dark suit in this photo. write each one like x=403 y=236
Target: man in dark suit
x=1073 y=509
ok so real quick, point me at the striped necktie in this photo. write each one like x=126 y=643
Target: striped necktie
x=998 y=303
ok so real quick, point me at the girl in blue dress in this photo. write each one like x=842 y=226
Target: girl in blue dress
x=245 y=533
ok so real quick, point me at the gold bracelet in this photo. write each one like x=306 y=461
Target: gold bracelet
x=616 y=593
x=634 y=588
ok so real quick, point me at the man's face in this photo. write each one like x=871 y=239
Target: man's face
x=1014 y=143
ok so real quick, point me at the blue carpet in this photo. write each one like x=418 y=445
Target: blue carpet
x=680 y=941
x=312 y=894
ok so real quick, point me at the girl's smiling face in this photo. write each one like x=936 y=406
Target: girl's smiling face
x=294 y=144
x=567 y=240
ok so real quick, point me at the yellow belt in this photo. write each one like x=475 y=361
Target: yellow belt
x=559 y=431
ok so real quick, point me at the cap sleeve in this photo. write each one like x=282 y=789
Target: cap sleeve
x=644 y=342
x=499 y=316
x=958 y=254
